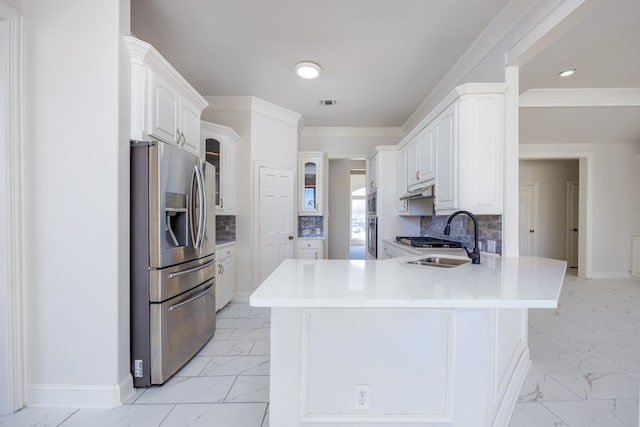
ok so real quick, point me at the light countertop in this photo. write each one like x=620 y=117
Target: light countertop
x=497 y=282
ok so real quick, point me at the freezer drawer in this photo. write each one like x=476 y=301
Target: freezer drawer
x=179 y=328
x=169 y=282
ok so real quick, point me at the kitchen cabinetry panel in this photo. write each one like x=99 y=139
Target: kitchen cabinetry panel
x=164 y=105
x=420 y=165
x=310 y=249
x=225 y=274
x=402 y=205
x=164 y=111
x=219 y=144
x=445 y=188
x=311 y=183
x=372 y=173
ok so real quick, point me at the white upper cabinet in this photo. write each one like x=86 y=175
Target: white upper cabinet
x=420 y=165
x=459 y=150
x=311 y=183
x=219 y=144
x=469 y=151
x=164 y=105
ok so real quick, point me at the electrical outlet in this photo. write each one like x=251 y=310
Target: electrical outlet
x=361 y=396
x=491 y=246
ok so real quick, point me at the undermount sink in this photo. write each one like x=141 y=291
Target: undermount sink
x=440 y=261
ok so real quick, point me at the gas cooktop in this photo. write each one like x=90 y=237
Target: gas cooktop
x=428 y=242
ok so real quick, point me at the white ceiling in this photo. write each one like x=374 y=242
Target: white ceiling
x=382 y=58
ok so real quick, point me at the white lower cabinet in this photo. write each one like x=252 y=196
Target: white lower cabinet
x=310 y=249
x=225 y=274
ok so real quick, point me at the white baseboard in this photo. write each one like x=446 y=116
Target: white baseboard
x=80 y=395
x=612 y=275
x=508 y=403
x=242 y=296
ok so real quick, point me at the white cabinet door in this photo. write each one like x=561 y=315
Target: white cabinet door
x=402 y=205
x=427 y=169
x=190 y=128
x=219 y=143
x=225 y=276
x=165 y=102
x=420 y=166
x=310 y=249
x=311 y=184
x=445 y=188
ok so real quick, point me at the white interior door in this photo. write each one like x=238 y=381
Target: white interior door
x=572 y=222
x=276 y=218
x=528 y=220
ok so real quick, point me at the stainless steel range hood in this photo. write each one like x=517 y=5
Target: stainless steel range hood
x=422 y=193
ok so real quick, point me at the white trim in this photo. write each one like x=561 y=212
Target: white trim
x=253 y=105
x=545 y=32
x=81 y=395
x=511 y=165
x=490 y=37
x=350 y=132
x=581 y=97
x=13 y=146
x=510 y=397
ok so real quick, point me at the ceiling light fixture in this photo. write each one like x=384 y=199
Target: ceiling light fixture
x=567 y=73
x=308 y=70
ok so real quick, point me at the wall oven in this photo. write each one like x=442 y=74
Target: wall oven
x=372 y=203
x=372 y=236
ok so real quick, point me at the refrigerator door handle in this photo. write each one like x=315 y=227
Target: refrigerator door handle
x=201 y=207
x=200 y=295
x=191 y=270
x=192 y=216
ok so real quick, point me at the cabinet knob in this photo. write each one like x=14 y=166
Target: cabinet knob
x=290 y=237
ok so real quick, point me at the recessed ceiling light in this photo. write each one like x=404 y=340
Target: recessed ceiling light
x=308 y=70
x=567 y=73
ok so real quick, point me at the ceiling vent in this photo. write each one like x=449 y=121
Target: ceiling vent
x=328 y=101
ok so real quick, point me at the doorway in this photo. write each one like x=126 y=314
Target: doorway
x=548 y=209
x=358 y=214
x=343 y=230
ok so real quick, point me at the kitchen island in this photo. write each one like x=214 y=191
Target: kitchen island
x=382 y=343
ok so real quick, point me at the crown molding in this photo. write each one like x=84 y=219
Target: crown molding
x=350 y=132
x=145 y=54
x=8 y=12
x=585 y=97
x=501 y=26
x=254 y=105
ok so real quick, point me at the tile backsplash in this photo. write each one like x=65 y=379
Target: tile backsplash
x=310 y=226
x=489 y=228
x=225 y=228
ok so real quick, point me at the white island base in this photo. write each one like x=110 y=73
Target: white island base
x=352 y=346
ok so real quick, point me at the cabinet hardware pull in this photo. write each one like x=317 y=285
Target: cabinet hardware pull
x=417 y=174
x=221 y=203
x=190 y=270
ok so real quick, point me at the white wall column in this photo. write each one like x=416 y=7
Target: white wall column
x=510 y=215
x=12 y=369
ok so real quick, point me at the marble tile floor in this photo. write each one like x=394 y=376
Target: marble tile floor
x=225 y=385
x=585 y=370
x=585 y=358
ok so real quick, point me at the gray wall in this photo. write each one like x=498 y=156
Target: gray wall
x=339 y=209
x=552 y=177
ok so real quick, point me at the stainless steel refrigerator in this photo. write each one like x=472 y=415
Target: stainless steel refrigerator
x=172 y=259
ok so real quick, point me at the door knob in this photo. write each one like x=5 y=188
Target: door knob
x=290 y=237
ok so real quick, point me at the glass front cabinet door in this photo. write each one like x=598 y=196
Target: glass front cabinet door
x=219 y=145
x=310 y=171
